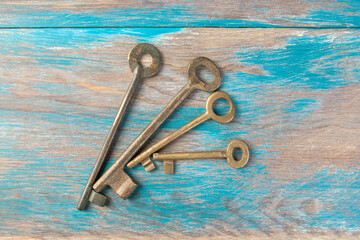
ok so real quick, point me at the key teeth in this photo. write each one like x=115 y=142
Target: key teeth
x=97 y=198
x=127 y=188
x=122 y=184
x=119 y=181
x=169 y=166
x=148 y=164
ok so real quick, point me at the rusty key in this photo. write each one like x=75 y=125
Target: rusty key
x=115 y=176
x=140 y=72
x=209 y=114
x=168 y=158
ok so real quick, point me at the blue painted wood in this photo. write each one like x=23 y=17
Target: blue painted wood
x=209 y=13
x=297 y=99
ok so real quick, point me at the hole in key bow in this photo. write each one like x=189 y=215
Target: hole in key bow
x=237 y=154
x=145 y=60
x=204 y=74
x=232 y=151
x=221 y=107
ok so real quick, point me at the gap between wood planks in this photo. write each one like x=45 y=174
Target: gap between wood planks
x=180 y=26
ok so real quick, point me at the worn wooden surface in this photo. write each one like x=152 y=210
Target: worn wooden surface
x=297 y=96
x=162 y=13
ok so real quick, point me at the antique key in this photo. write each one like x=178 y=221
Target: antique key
x=115 y=176
x=209 y=114
x=168 y=158
x=139 y=73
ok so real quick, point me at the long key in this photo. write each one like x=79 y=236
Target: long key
x=115 y=176
x=139 y=73
x=168 y=158
x=209 y=114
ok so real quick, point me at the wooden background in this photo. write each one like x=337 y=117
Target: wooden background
x=291 y=68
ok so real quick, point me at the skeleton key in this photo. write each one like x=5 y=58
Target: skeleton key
x=115 y=176
x=139 y=73
x=168 y=158
x=209 y=114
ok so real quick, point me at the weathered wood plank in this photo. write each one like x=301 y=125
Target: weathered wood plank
x=205 y=13
x=297 y=96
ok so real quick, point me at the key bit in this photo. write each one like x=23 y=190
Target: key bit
x=168 y=166
x=98 y=198
x=168 y=158
x=123 y=185
x=209 y=114
x=148 y=164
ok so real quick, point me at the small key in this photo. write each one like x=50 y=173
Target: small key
x=115 y=176
x=209 y=114
x=139 y=73
x=168 y=158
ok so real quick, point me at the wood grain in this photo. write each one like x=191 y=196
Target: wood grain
x=297 y=98
x=160 y=13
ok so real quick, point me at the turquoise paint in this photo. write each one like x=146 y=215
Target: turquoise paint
x=54 y=88
x=332 y=14
x=147 y=34
x=291 y=68
x=294 y=63
x=50 y=40
x=81 y=38
x=167 y=16
x=4 y=90
x=304 y=105
x=336 y=191
x=343 y=13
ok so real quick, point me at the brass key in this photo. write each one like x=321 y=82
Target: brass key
x=140 y=72
x=168 y=158
x=115 y=176
x=209 y=114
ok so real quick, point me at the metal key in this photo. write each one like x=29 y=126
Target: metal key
x=139 y=73
x=168 y=158
x=209 y=114
x=115 y=176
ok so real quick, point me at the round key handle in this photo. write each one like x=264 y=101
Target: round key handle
x=230 y=153
x=194 y=80
x=142 y=49
x=210 y=107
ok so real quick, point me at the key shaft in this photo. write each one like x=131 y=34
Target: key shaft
x=168 y=158
x=189 y=155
